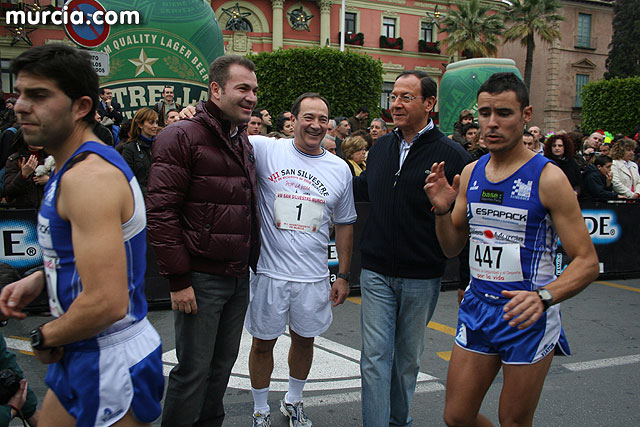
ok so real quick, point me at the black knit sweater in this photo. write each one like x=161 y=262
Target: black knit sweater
x=399 y=237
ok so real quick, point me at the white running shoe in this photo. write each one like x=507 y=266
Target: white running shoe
x=261 y=420
x=295 y=413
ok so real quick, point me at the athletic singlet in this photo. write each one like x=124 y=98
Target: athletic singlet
x=54 y=235
x=512 y=239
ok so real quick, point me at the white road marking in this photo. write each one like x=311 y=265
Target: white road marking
x=20 y=345
x=355 y=396
x=335 y=366
x=602 y=363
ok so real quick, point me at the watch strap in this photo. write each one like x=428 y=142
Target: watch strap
x=545 y=301
x=37 y=339
x=343 y=276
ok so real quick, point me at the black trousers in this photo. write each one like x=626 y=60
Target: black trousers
x=207 y=347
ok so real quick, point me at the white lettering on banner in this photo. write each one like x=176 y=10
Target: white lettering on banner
x=602 y=225
x=495 y=263
x=298 y=212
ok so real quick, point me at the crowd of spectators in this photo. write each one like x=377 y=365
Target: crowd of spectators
x=599 y=166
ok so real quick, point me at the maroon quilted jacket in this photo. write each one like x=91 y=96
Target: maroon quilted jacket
x=201 y=203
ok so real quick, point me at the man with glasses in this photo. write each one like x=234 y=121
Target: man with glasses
x=402 y=263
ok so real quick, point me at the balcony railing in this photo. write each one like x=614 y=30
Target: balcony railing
x=581 y=42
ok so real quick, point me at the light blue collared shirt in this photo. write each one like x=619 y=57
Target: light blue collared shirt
x=405 y=146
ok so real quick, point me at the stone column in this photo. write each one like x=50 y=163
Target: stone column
x=277 y=6
x=325 y=22
x=552 y=92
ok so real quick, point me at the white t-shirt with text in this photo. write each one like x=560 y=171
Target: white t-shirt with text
x=299 y=193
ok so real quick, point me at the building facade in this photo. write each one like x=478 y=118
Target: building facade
x=561 y=69
x=402 y=34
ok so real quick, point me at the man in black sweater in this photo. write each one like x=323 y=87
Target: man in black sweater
x=401 y=257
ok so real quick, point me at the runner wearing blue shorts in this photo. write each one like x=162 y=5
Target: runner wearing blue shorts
x=511 y=205
x=104 y=355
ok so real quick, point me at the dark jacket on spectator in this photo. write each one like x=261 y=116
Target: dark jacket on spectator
x=6 y=144
x=160 y=108
x=103 y=133
x=19 y=190
x=357 y=124
x=137 y=154
x=202 y=199
x=476 y=153
x=399 y=236
x=594 y=185
x=457 y=134
x=113 y=113
x=571 y=170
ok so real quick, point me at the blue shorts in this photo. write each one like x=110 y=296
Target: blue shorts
x=98 y=381
x=482 y=329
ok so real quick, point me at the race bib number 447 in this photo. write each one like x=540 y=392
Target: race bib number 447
x=495 y=263
x=298 y=212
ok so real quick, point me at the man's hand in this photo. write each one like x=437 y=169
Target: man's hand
x=49 y=355
x=187 y=112
x=339 y=291
x=524 y=309
x=18 y=400
x=184 y=300
x=18 y=294
x=440 y=193
x=460 y=296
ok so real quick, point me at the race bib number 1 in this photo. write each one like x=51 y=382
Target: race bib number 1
x=495 y=263
x=298 y=212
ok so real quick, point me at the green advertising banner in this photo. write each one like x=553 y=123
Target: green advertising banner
x=460 y=83
x=173 y=44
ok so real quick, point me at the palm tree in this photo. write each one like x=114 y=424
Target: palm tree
x=531 y=18
x=472 y=30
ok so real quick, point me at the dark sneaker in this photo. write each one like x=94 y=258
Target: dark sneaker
x=295 y=413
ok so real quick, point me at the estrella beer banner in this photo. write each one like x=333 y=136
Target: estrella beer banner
x=173 y=44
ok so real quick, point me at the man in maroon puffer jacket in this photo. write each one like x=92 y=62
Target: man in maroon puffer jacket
x=203 y=224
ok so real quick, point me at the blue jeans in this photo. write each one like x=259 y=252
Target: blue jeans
x=395 y=312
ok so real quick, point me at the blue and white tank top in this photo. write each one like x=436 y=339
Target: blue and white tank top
x=512 y=239
x=54 y=235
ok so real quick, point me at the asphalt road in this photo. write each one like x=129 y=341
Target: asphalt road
x=597 y=386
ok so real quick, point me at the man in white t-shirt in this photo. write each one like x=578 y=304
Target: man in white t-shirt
x=301 y=186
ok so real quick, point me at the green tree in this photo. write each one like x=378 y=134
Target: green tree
x=472 y=30
x=531 y=18
x=613 y=105
x=348 y=80
x=624 y=56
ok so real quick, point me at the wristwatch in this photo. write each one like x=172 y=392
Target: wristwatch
x=343 y=276
x=545 y=297
x=37 y=339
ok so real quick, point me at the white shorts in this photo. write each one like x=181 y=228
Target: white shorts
x=272 y=301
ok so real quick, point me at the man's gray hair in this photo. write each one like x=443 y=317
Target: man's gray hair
x=332 y=124
x=323 y=143
x=382 y=122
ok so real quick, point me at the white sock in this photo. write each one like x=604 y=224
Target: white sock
x=260 y=397
x=294 y=395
